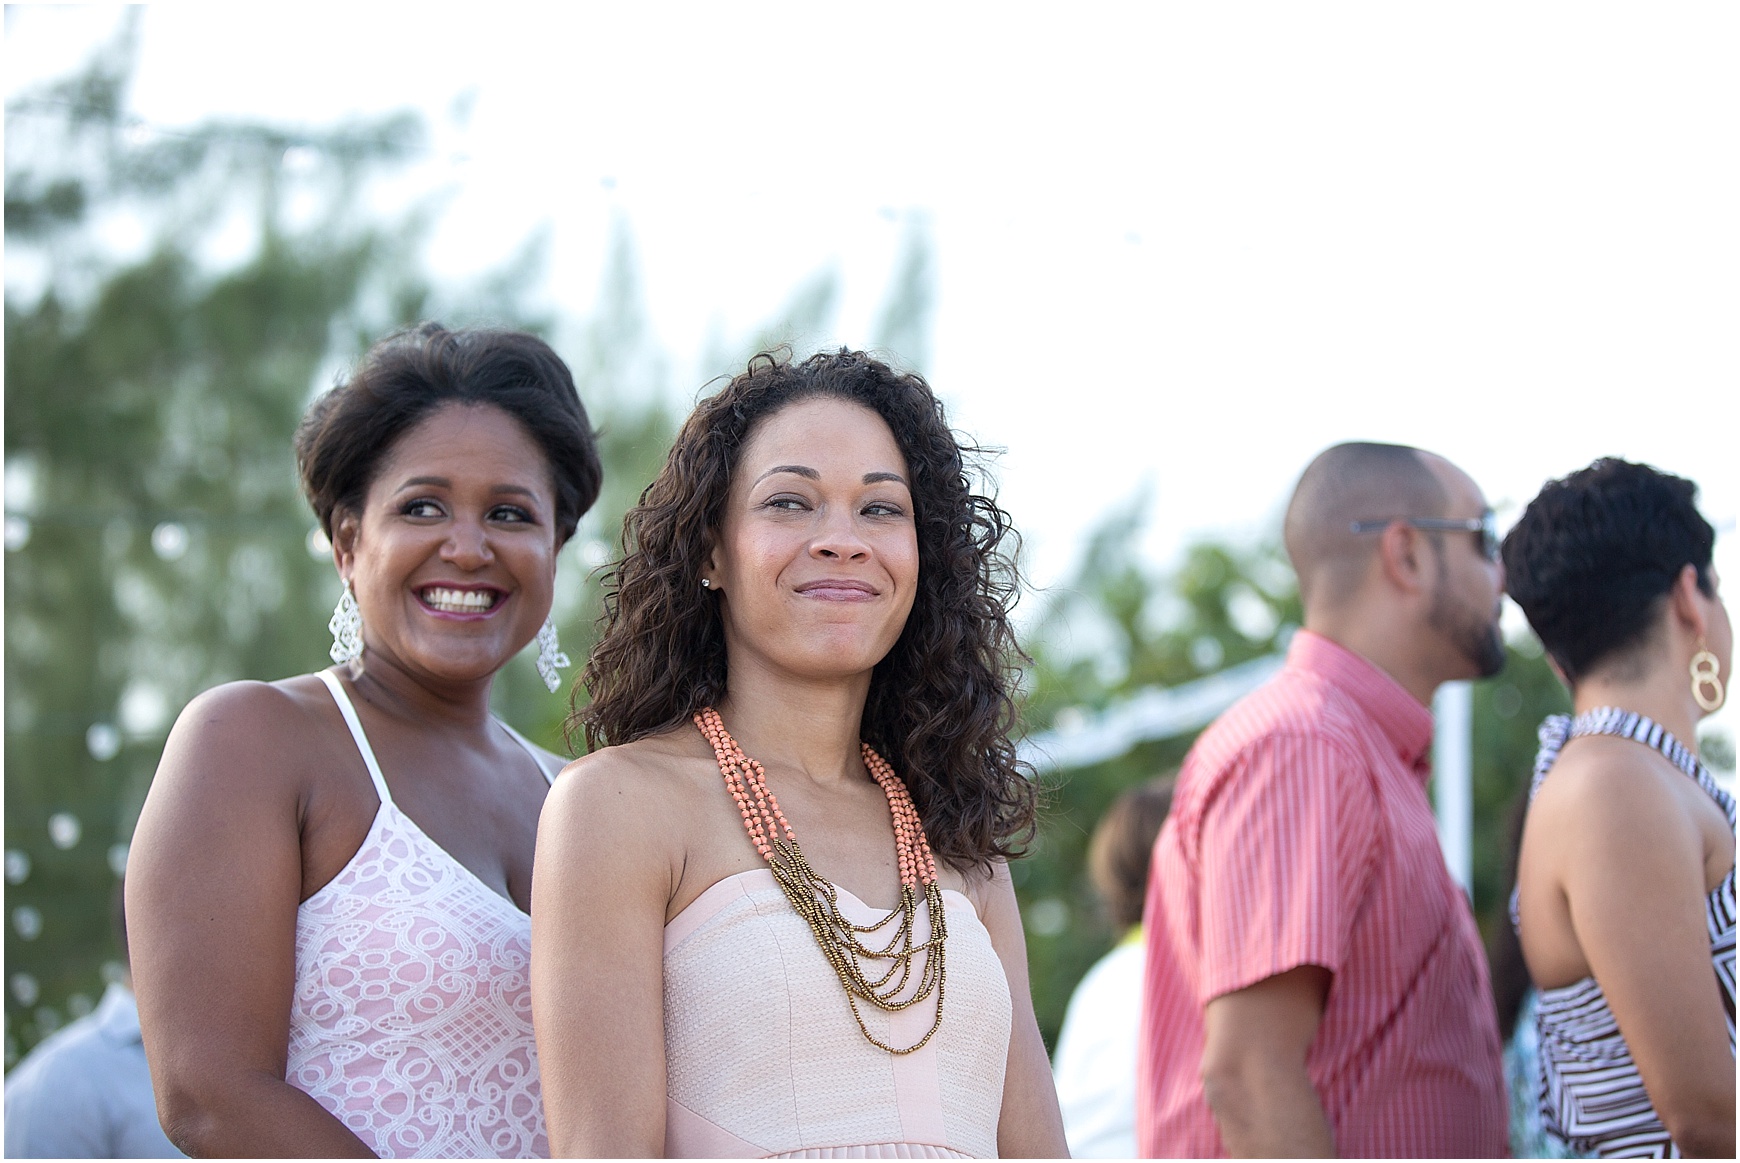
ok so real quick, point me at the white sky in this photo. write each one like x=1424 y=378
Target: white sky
x=1184 y=244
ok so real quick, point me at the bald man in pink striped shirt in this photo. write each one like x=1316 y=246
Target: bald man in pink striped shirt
x=1315 y=983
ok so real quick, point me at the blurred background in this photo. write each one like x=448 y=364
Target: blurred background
x=1160 y=256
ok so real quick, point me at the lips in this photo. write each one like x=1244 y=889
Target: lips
x=838 y=589
x=460 y=600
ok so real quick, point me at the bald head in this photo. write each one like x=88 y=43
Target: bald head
x=1348 y=483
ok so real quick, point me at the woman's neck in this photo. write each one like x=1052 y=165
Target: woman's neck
x=390 y=688
x=783 y=722
x=1662 y=692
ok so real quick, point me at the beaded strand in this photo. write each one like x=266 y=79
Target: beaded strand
x=816 y=900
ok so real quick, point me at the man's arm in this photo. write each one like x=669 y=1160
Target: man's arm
x=1253 y=1066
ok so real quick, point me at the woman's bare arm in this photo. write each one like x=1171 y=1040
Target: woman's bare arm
x=214 y=878
x=1031 y=1125
x=600 y=886
x=1633 y=872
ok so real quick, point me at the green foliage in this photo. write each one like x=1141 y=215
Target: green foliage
x=1507 y=716
x=1113 y=629
x=152 y=550
x=903 y=330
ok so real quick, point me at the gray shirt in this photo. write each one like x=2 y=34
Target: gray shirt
x=85 y=1092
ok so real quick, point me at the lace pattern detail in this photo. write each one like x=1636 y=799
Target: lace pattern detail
x=876 y=1151
x=412 y=1018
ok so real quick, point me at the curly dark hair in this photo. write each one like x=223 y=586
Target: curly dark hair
x=941 y=705
x=1595 y=554
x=348 y=431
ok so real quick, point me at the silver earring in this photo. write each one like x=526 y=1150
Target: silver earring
x=551 y=660
x=346 y=627
x=706 y=583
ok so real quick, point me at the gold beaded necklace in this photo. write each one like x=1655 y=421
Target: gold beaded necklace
x=816 y=899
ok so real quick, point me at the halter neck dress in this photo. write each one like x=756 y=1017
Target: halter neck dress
x=411 y=1020
x=1592 y=1097
x=764 y=1060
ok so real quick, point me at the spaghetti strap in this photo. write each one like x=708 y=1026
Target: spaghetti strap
x=356 y=732
x=538 y=760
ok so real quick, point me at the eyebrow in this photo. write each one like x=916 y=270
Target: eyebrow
x=809 y=473
x=444 y=483
x=797 y=469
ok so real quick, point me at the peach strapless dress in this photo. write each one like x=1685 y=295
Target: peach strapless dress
x=764 y=1060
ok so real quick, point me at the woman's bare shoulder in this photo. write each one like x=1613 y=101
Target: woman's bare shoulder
x=987 y=886
x=1612 y=786
x=257 y=730
x=651 y=775
x=627 y=815
x=289 y=703
x=1604 y=765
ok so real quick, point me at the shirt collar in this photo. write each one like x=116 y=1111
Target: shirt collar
x=1404 y=722
x=118 y=1015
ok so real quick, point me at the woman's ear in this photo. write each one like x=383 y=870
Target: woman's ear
x=710 y=579
x=345 y=527
x=1686 y=603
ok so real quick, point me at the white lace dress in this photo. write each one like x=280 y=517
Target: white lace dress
x=412 y=1017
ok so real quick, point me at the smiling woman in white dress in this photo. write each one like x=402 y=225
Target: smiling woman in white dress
x=329 y=884
x=774 y=916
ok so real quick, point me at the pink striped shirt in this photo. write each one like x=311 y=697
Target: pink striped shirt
x=1301 y=834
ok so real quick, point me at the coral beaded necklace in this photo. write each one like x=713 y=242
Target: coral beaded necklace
x=816 y=900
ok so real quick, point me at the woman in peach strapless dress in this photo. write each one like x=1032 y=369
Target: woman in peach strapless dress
x=774 y=916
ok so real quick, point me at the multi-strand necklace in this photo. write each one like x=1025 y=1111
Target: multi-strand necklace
x=816 y=899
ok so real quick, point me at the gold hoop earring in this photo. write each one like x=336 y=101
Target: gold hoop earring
x=1707 y=675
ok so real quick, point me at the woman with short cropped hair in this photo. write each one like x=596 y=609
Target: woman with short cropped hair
x=1625 y=884
x=329 y=882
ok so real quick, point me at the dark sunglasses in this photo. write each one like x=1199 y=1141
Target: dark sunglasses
x=1486 y=525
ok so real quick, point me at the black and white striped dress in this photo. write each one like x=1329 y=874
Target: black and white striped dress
x=1591 y=1095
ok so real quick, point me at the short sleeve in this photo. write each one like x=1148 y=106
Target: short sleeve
x=1283 y=847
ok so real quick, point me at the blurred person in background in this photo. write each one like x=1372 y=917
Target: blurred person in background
x=85 y=1092
x=330 y=879
x=805 y=686
x=1625 y=885
x=1095 y=1067
x=1315 y=983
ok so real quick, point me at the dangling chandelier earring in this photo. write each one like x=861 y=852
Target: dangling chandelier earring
x=346 y=627
x=1707 y=677
x=551 y=660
